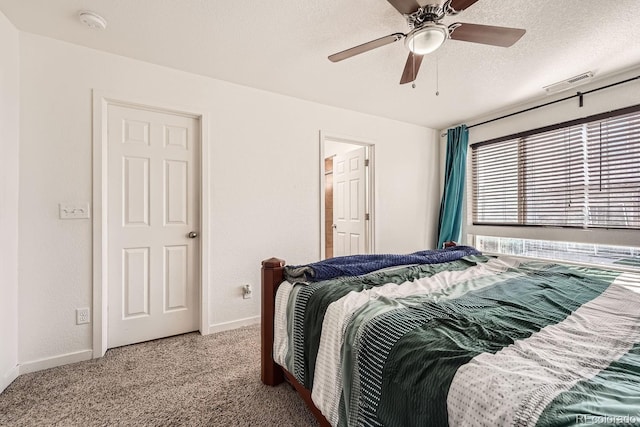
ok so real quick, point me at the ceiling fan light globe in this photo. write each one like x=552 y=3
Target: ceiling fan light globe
x=427 y=39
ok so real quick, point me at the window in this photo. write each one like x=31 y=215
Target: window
x=621 y=257
x=584 y=173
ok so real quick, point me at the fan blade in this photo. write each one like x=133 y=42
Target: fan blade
x=411 y=68
x=487 y=34
x=460 y=5
x=365 y=47
x=406 y=7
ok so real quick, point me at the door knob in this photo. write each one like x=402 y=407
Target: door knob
x=193 y=235
x=334 y=226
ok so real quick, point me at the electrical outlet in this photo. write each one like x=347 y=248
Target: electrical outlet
x=82 y=316
x=247 y=292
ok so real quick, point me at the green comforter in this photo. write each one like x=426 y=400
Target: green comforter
x=477 y=341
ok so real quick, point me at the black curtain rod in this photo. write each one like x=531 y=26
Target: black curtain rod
x=578 y=94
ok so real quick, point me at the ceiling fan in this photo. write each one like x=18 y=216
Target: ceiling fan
x=427 y=33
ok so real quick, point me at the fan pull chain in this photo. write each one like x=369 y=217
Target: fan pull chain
x=413 y=60
x=437 y=79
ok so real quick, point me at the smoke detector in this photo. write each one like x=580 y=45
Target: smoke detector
x=92 y=20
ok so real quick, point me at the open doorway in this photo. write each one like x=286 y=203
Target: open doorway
x=346 y=196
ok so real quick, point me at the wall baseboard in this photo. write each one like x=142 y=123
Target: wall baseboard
x=52 y=362
x=8 y=377
x=234 y=324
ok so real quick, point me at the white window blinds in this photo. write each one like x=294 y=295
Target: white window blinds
x=613 y=168
x=579 y=175
x=495 y=183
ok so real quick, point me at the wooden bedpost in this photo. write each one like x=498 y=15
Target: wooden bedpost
x=272 y=276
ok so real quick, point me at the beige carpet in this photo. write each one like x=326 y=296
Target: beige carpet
x=187 y=380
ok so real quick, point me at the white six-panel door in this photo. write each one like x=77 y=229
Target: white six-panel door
x=153 y=199
x=349 y=192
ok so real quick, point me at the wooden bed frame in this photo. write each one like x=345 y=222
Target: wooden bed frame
x=271 y=373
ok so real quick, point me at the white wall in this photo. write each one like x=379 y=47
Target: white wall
x=264 y=182
x=621 y=96
x=9 y=107
x=334 y=148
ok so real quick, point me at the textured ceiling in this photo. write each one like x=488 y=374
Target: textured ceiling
x=282 y=46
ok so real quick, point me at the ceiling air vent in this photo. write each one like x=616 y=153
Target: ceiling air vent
x=570 y=82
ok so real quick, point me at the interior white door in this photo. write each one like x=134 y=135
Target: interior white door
x=153 y=206
x=349 y=195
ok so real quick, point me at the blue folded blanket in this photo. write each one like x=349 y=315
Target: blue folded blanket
x=356 y=265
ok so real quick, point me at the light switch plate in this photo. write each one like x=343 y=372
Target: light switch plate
x=74 y=210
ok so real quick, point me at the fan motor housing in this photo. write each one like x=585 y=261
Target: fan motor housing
x=428 y=13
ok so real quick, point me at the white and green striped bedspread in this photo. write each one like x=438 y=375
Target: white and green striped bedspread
x=478 y=341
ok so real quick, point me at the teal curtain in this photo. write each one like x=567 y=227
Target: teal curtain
x=450 y=221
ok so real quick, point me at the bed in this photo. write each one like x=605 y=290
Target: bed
x=453 y=337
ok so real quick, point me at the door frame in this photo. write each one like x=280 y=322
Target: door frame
x=370 y=196
x=101 y=101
